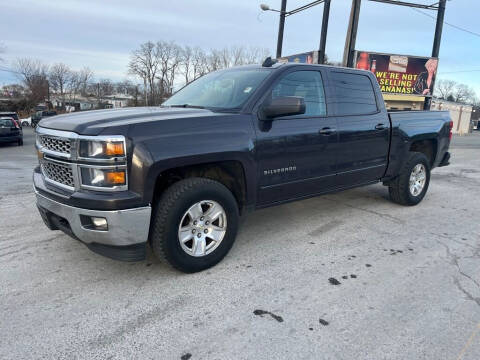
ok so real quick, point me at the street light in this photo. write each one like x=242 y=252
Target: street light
x=284 y=14
x=265 y=7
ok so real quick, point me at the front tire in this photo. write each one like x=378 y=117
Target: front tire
x=194 y=224
x=410 y=187
x=20 y=142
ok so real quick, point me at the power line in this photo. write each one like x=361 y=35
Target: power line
x=446 y=23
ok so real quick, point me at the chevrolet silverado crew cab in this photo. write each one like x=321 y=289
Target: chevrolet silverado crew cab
x=179 y=176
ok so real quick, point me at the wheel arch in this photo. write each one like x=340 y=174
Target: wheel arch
x=230 y=173
x=426 y=146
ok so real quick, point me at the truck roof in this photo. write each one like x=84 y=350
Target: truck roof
x=278 y=65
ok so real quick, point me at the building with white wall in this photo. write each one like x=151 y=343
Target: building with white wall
x=460 y=114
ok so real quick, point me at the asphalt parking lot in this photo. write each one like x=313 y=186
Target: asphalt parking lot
x=409 y=280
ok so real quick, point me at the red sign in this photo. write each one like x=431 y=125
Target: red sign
x=400 y=74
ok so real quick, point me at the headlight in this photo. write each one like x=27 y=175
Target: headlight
x=103 y=178
x=101 y=149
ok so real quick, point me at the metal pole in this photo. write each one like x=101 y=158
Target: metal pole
x=281 y=26
x=436 y=43
x=351 y=34
x=323 y=36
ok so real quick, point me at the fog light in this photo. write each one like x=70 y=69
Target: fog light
x=94 y=223
x=99 y=223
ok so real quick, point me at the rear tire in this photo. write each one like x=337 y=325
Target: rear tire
x=20 y=142
x=172 y=213
x=410 y=187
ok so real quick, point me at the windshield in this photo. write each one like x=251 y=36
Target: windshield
x=226 y=89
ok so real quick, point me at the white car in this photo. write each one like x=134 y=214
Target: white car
x=26 y=121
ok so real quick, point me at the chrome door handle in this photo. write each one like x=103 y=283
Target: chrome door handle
x=380 y=127
x=326 y=131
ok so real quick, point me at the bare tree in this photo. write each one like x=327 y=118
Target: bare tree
x=144 y=63
x=226 y=60
x=255 y=55
x=34 y=75
x=186 y=63
x=444 y=88
x=214 y=60
x=59 y=76
x=463 y=93
x=199 y=63
x=166 y=61
x=106 y=87
x=125 y=87
x=85 y=76
x=174 y=65
x=169 y=59
x=237 y=54
x=73 y=85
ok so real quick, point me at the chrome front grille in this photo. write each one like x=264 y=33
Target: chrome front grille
x=59 y=145
x=61 y=165
x=59 y=173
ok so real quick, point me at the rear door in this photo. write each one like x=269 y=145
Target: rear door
x=363 y=129
x=296 y=154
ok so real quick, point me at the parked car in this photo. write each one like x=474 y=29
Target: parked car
x=11 y=114
x=26 y=121
x=179 y=176
x=39 y=115
x=10 y=131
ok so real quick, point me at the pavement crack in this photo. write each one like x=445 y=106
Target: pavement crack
x=467 y=294
x=454 y=260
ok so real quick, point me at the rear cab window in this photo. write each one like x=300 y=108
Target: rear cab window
x=354 y=94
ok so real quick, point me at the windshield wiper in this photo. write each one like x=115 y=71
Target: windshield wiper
x=188 y=106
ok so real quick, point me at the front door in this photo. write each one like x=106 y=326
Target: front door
x=296 y=154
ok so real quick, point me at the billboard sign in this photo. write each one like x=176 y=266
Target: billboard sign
x=400 y=74
x=310 y=57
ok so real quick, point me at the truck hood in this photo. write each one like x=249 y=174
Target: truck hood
x=97 y=121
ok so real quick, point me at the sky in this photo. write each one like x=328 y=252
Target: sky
x=101 y=34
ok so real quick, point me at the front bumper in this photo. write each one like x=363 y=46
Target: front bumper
x=125 y=238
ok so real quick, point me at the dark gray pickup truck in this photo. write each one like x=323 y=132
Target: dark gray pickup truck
x=178 y=176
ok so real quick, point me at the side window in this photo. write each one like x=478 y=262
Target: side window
x=306 y=84
x=354 y=94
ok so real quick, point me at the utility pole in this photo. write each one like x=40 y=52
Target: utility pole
x=136 y=95
x=436 y=43
x=323 y=36
x=98 y=95
x=281 y=26
x=351 y=34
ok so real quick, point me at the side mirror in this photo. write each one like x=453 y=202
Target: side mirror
x=283 y=106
